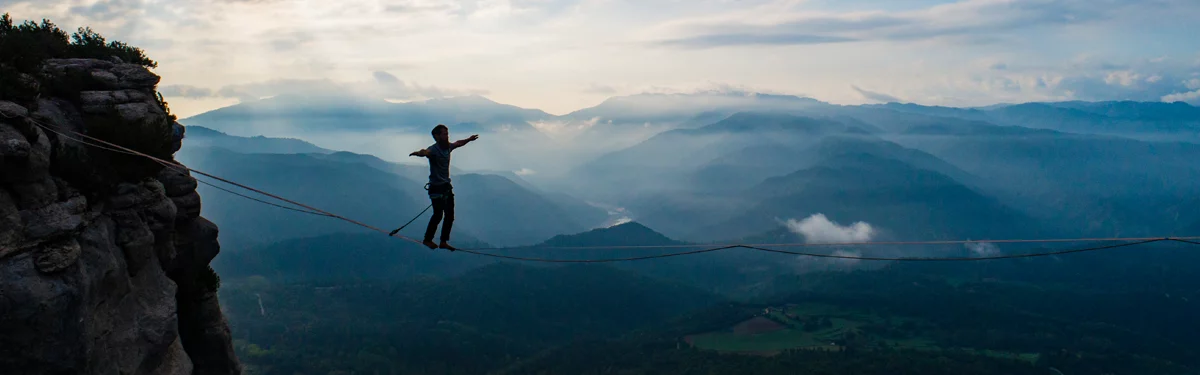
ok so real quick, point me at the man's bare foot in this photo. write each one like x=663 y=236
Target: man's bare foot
x=429 y=244
x=447 y=246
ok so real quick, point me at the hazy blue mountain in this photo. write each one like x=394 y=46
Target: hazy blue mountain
x=349 y=189
x=624 y=121
x=898 y=118
x=392 y=130
x=488 y=207
x=627 y=234
x=509 y=213
x=583 y=212
x=1046 y=116
x=1136 y=119
x=417 y=170
x=642 y=108
x=504 y=213
x=902 y=201
x=726 y=186
x=666 y=160
x=1093 y=184
x=934 y=111
x=1177 y=112
x=199 y=136
x=749 y=166
x=297 y=112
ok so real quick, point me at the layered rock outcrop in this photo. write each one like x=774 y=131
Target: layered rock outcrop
x=103 y=256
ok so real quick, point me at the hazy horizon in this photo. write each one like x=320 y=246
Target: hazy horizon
x=559 y=55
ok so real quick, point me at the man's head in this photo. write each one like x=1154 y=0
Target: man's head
x=441 y=134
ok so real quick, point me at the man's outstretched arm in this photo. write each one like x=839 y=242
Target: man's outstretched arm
x=463 y=142
x=422 y=152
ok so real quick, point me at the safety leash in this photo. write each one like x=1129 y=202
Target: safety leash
x=393 y=233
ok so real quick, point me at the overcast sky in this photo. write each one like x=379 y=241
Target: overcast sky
x=563 y=55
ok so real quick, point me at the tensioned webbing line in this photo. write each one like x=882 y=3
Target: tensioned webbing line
x=1131 y=241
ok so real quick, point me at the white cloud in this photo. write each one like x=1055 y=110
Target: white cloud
x=819 y=229
x=876 y=96
x=525 y=172
x=1123 y=78
x=982 y=249
x=564 y=128
x=617 y=221
x=550 y=127
x=1192 y=97
x=1192 y=84
x=969 y=20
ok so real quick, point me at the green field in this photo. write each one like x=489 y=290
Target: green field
x=843 y=326
x=840 y=322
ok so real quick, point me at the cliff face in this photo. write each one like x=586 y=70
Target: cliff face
x=103 y=256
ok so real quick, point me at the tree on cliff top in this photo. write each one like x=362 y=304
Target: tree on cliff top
x=25 y=46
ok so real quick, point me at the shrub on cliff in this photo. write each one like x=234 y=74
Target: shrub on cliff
x=208 y=279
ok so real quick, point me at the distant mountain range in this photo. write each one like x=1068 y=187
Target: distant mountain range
x=528 y=139
x=1114 y=117
x=475 y=113
x=199 y=136
x=691 y=109
x=719 y=166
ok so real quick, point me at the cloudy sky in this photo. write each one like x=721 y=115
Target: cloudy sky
x=562 y=55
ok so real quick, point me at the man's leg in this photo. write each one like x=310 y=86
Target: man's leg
x=448 y=208
x=438 y=208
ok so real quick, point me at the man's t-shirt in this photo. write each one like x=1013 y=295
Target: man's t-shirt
x=439 y=164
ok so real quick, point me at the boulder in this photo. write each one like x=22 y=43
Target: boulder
x=177 y=182
x=14 y=152
x=11 y=226
x=134 y=76
x=187 y=206
x=37 y=194
x=57 y=256
x=12 y=110
x=54 y=220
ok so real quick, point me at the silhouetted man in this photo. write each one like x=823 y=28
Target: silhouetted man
x=440 y=190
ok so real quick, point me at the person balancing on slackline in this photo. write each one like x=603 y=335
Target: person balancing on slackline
x=441 y=193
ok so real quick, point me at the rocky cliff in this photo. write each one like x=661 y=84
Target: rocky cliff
x=103 y=256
